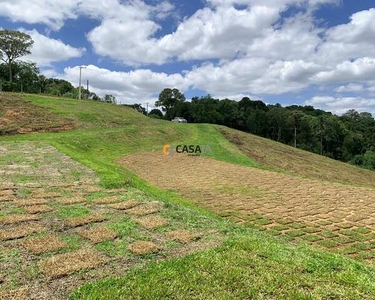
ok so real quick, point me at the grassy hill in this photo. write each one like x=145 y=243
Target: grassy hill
x=20 y=116
x=278 y=156
x=251 y=264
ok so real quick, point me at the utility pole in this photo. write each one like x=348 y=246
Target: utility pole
x=88 y=92
x=295 y=137
x=147 y=108
x=80 y=82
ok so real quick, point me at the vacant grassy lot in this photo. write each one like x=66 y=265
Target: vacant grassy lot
x=64 y=225
x=334 y=216
x=57 y=224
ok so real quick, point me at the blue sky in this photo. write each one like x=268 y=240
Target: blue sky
x=308 y=52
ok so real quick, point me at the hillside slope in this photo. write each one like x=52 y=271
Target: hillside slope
x=251 y=264
x=127 y=131
x=278 y=156
x=20 y=116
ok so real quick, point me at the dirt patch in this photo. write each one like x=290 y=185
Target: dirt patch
x=30 y=202
x=152 y=222
x=75 y=222
x=20 y=231
x=63 y=264
x=98 y=234
x=72 y=200
x=143 y=247
x=126 y=205
x=17 y=294
x=36 y=209
x=183 y=236
x=44 y=244
x=17 y=218
x=144 y=209
x=108 y=200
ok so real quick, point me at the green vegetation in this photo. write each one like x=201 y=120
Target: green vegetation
x=349 y=138
x=251 y=264
x=251 y=267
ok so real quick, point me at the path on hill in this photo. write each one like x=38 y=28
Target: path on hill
x=326 y=214
x=59 y=229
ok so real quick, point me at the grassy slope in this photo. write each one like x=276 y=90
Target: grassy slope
x=18 y=116
x=250 y=264
x=294 y=161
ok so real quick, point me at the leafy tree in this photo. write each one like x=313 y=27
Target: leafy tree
x=257 y=122
x=14 y=44
x=26 y=74
x=295 y=121
x=156 y=113
x=109 y=99
x=278 y=120
x=42 y=80
x=168 y=99
x=205 y=110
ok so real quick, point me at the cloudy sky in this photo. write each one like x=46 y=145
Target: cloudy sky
x=315 y=52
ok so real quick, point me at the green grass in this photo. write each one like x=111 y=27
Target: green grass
x=252 y=267
x=72 y=212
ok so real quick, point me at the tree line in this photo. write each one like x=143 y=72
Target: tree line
x=348 y=138
x=25 y=77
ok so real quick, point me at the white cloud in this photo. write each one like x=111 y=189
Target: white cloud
x=361 y=69
x=46 y=50
x=350 y=88
x=341 y=105
x=129 y=87
x=250 y=75
x=50 y=12
x=255 y=51
x=236 y=97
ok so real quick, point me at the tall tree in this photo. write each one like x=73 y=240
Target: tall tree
x=14 y=44
x=168 y=99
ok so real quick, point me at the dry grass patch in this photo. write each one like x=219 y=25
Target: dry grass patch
x=112 y=191
x=36 y=209
x=20 y=116
x=92 y=189
x=72 y=200
x=17 y=218
x=143 y=210
x=98 y=234
x=151 y=222
x=143 y=247
x=108 y=200
x=20 y=231
x=30 y=202
x=44 y=244
x=7 y=193
x=75 y=222
x=183 y=236
x=125 y=205
x=63 y=264
x=6 y=198
x=44 y=194
x=17 y=294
